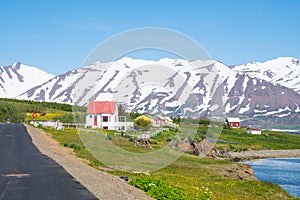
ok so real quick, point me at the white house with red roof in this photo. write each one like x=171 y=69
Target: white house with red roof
x=254 y=131
x=104 y=114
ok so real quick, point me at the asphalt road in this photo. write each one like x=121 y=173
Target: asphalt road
x=25 y=173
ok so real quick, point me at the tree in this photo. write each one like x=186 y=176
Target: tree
x=142 y=123
x=121 y=110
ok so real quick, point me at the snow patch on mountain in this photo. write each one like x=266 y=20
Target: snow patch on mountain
x=18 y=78
x=283 y=71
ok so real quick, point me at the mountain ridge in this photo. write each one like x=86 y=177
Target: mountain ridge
x=177 y=86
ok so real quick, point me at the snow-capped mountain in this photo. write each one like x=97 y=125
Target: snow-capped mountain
x=283 y=71
x=175 y=87
x=17 y=78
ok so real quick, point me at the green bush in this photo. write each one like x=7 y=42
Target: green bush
x=153 y=142
x=157 y=189
x=75 y=146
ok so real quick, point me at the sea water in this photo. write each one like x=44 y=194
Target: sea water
x=282 y=171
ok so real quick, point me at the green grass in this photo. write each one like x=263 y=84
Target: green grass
x=69 y=136
x=201 y=179
x=197 y=178
x=267 y=140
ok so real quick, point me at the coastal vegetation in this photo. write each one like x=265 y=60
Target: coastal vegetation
x=189 y=177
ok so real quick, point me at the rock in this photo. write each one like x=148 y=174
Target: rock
x=200 y=148
x=240 y=172
x=143 y=142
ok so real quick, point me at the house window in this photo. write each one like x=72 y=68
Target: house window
x=105 y=118
x=122 y=119
x=105 y=127
x=91 y=116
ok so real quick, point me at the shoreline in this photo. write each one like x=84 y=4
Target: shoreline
x=260 y=154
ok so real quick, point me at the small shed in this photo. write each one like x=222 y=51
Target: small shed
x=233 y=122
x=254 y=131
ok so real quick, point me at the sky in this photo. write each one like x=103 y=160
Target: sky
x=58 y=35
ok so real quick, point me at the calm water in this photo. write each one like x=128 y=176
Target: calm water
x=282 y=171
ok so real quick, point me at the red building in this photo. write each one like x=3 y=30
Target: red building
x=233 y=122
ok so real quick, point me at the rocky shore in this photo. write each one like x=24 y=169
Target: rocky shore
x=256 y=154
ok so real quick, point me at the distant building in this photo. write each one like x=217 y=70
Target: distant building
x=233 y=122
x=254 y=131
x=158 y=121
x=104 y=114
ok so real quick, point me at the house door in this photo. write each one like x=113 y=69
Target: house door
x=95 y=120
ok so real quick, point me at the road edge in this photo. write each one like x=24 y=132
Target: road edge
x=99 y=183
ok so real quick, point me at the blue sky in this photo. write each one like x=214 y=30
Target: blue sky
x=57 y=36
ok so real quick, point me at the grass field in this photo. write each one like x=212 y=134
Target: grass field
x=189 y=177
x=197 y=178
x=267 y=140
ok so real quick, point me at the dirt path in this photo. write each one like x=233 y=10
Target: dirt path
x=102 y=185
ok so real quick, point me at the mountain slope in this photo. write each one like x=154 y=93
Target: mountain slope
x=283 y=71
x=18 y=78
x=177 y=87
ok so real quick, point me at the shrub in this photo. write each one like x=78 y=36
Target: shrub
x=75 y=146
x=157 y=189
x=153 y=142
x=141 y=122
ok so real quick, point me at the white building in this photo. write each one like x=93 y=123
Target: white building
x=254 y=131
x=104 y=114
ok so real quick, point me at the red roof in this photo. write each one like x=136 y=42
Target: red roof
x=101 y=107
x=254 y=129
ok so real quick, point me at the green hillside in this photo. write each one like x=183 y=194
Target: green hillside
x=14 y=110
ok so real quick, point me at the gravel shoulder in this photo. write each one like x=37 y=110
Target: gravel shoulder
x=101 y=184
x=254 y=154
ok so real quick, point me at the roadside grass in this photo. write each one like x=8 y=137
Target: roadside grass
x=70 y=138
x=197 y=178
